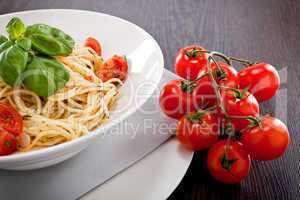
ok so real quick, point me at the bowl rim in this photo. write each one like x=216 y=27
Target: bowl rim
x=57 y=148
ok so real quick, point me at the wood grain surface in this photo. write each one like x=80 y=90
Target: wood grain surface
x=267 y=30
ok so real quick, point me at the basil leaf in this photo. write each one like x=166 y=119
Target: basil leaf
x=3 y=39
x=45 y=76
x=24 y=43
x=5 y=45
x=49 y=40
x=61 y=74
x=46 y=45
x=13 y=60
x=15 y=28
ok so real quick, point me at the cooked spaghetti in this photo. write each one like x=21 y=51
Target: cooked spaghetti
x=81 y=106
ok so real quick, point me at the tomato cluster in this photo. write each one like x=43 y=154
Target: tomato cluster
x=218 y=109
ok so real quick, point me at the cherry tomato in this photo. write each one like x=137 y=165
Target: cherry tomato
x=10 y=119
x=175 y=101
x=115 y=67
x=262 y=79
x=94 y=44
x=240 y=104
x=88 y=78
x=8 y=143
x=189 y=62
x=198 y=130
x=228 y=162
x=267 y=142
x=225 y=76
x=218 y=114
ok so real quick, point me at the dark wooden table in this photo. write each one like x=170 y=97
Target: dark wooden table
x=266 y=30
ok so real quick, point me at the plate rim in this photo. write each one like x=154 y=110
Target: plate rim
x=104 y=189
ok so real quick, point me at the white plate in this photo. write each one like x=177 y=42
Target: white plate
x=117 y=36
x=140 y=181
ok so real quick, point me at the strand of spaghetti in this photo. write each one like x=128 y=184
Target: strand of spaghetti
x=16 y=93
x=36 y=139
x=62 y=123
x=76 y=91
x=51 y=142
x=75 y=104
x=3 y=90
x=77 y=67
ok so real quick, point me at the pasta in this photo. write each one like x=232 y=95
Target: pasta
x=81 y=106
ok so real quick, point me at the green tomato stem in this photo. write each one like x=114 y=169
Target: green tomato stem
x=247 y=63
x=215 y=85
x=188 y=86
x=254 y=120
x=195 y=117
x=237 y=93
x=193 y=53
x=223 y=56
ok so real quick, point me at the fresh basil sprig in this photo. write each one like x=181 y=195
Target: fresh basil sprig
x=25 y=57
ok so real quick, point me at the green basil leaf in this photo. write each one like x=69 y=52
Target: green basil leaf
x=45 y=76
x=38 y=78
x=61 y=74
x=5 y=45
x=15 y=28
x=3 y=39
x=49 y=40
x=13 y=62
x=24 y=43
x=46 y=45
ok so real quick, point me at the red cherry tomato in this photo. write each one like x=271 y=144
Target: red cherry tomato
x=94 y=44
x=8 y=143
x=10 y=119
x=241 y=105
x=174 y=101
x=267 y=142
x=225 y=76
x=262 y=79
x=188 y=62
x=198 y=130
x=231 y=167
x=88 y=78
x=115 y=67
x=218 y=115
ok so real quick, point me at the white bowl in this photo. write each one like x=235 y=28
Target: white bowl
x=117 y=36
